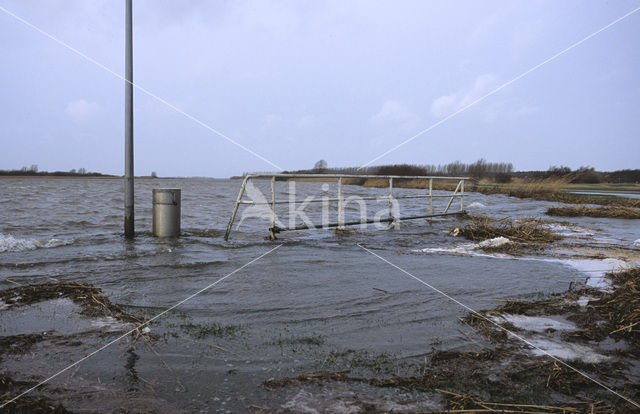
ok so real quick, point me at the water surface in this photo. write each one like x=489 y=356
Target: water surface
x=319 y=293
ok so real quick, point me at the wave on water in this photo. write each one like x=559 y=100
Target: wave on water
x=476 y=206
x=595 y=269
x=8 y=243
x=470 y=248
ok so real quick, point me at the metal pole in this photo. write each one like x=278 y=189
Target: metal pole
x=340 y=202
x=272 y=234
x=391 y=202
x=461 y=195
x=129 y=227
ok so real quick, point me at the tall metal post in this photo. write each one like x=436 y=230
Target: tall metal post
x=392 y=223
x=340 y=219
x=129 y=227
x=272 y=234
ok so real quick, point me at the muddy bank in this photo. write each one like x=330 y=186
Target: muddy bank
x=49 y=327
x=89 y=298
x=593 y=334
x=28 y=403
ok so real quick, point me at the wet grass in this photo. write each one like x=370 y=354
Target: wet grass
x=130 y=367
x=315 y=340
x=213 y=330
x=538 y=296
x=383 y=363
x=499 y=380
x=552 y=190
x=148 y=312
x=621 y=308
x=27 y=403
x=505 y=378
x=602 y=212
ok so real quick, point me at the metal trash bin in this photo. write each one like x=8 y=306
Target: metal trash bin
x=166 y=212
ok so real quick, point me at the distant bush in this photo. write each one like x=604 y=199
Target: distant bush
x=478 y=169
x=623 y=176
x=587 y=175
x=561 y=171
x=34 y=173
x=502 y=178
x=401 y=169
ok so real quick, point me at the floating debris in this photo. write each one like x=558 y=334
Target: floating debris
x=90 y=298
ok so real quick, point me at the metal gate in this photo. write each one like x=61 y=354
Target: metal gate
x=340 y=199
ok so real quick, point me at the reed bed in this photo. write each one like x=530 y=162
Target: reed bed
x=621 y=308
x=603 y=212
x=531 y=231
x=553 y=192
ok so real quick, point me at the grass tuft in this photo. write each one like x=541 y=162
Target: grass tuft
x=214 y=329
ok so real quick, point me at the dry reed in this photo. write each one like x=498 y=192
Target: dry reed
x=604 y=212
x=523 y=231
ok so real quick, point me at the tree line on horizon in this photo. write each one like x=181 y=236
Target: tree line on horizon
x=499 y=172
x=33 y=171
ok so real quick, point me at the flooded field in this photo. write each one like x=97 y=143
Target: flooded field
x=320 y=301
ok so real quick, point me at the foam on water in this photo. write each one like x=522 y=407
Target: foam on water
x=596 y=269
x=8 y=243
x=566 y=350
x=495 y=242
x=536 y=323
x=569 y=230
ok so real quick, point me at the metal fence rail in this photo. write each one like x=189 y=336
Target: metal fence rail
x=273 y=229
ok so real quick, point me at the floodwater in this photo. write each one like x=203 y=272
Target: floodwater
x=292 y=311
x=610 y=194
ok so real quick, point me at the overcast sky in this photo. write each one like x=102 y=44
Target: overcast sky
x=301 y=81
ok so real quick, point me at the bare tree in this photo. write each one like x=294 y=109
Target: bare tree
x=320 y=166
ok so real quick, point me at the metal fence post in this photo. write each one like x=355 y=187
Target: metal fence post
x=235 y=208
x=430 y=196
x=393 y=220
x=452 y=197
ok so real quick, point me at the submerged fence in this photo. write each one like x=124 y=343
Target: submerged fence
x=343 y=179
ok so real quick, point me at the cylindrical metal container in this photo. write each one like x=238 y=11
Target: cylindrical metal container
x=166 y=212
